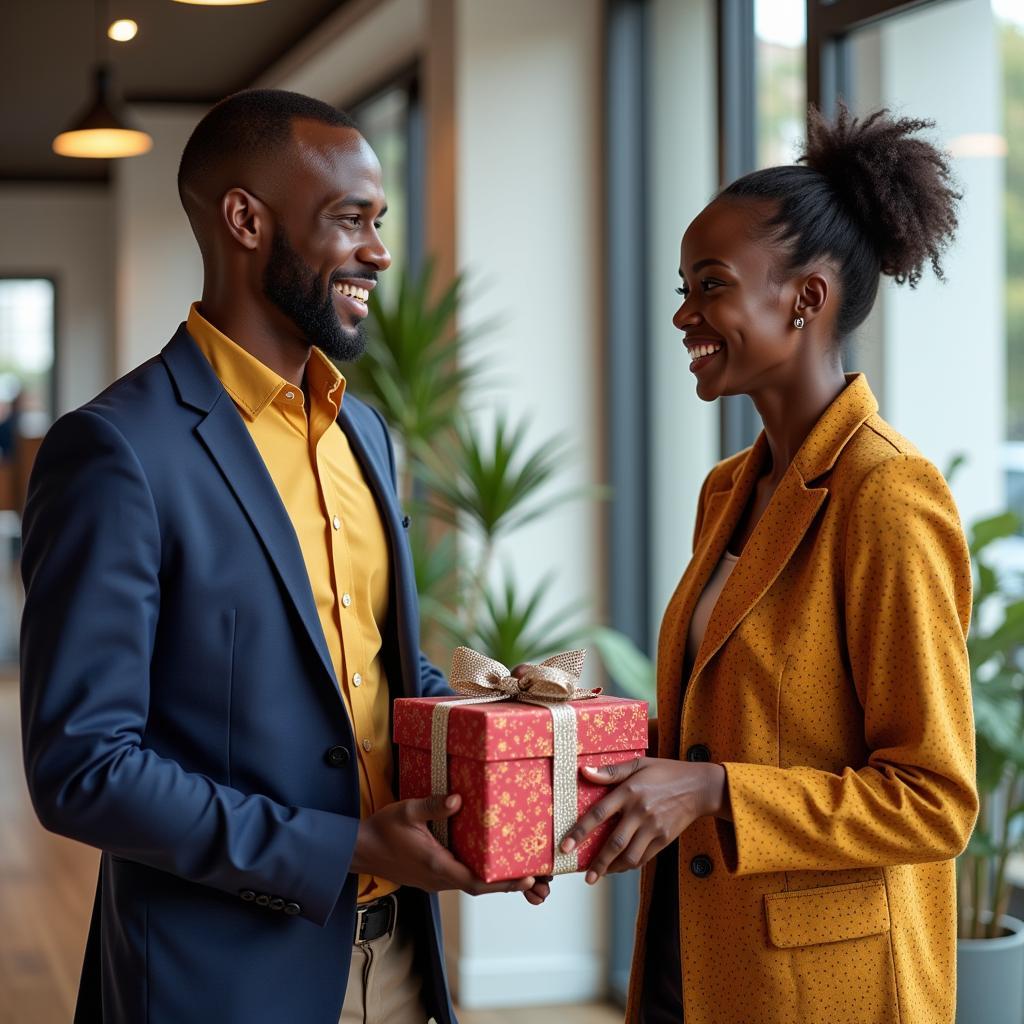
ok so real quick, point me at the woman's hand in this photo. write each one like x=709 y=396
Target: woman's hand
x=658 y=799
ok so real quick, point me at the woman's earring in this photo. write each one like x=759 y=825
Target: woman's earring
x=798 y=322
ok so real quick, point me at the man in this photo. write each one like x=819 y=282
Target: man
x=220 y=608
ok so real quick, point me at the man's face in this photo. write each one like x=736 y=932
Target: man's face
x=326 y=251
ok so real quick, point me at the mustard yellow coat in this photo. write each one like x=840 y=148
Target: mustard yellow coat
x=833 y=685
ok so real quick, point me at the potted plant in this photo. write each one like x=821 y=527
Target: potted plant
x=990 y=948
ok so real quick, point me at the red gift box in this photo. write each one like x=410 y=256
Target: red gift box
x=500 y=763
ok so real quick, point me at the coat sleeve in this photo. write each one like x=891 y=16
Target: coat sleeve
x=907 y=593
x=91 y=564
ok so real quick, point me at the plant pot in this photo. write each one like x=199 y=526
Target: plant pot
x=990 y=977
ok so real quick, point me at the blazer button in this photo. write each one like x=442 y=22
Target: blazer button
x=702 y=865
x=262 y=900
x=291 y=909
x=248 y=895
x=277 y=903
x=338 y=757
x=406 y=522
x=698 y=752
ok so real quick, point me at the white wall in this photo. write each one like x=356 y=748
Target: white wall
x=159 y=269
x=66 y=232
x=528 y=86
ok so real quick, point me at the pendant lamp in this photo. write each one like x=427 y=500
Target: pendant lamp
x=101 y=132
x=219 y=3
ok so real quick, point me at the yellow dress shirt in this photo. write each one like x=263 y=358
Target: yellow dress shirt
x=339 y=531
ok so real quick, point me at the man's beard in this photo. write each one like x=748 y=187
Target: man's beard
x=296 y=289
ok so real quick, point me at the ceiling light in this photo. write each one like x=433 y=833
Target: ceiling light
x=122 y=30
x=99 y=133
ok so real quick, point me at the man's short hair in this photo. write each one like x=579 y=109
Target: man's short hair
x=246 y=126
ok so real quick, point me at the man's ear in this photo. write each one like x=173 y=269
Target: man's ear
x=246 y=218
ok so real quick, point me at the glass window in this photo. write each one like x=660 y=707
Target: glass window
x=781 y=37
x=385 y=120
x=27 y=318
x=936 y=355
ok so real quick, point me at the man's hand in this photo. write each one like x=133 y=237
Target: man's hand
x=396 y=844
x=658 y=799
x=540 y=891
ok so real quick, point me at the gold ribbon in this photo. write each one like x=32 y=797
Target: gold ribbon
x=551 y=684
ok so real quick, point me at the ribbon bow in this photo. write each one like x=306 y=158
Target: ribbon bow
x=554 y=680
x=551 y=684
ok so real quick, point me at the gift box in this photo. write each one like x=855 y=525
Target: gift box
x=500 y=758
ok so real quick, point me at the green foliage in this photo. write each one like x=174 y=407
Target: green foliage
x=468 y=486
x=994 y=646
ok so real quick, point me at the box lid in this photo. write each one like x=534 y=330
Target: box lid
x=510 y=731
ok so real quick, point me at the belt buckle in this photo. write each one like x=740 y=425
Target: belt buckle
x=363 y=910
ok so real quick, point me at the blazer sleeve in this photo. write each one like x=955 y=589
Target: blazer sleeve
x=91 y=565
x=907 y=591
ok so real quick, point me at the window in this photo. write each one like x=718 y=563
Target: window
x=391 y=121
x=27 y=321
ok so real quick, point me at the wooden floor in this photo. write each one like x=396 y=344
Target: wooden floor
x=46 y=889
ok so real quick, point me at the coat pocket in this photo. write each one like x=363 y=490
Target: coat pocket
x=834 y=913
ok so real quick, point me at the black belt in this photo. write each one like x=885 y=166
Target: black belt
x=375 y=918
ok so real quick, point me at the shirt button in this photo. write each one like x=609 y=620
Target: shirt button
x=367 y=746
x=357 y=680
x=336 y=523
x=289 y=395
x=346 y=599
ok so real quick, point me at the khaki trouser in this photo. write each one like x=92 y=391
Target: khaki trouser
x=384 y=986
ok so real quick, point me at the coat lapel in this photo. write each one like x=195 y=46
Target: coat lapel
x=229 y=444
x=790 y=513
x=380 y=484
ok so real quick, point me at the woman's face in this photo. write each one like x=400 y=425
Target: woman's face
x=737 y=322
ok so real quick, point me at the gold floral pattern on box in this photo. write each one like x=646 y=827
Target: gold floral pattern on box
x=499 y=762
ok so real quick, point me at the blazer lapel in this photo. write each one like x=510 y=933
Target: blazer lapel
x=787 y=518
x=229 y=444
x=721 y=514
x=789 y=515
x=378 y=479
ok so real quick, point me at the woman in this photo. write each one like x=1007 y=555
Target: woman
x=815 y=776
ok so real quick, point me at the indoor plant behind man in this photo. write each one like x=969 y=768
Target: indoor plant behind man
x=220 y=607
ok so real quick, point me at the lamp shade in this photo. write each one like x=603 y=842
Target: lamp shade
x=99 y=133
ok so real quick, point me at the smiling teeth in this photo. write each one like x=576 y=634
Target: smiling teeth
x=703 y=350
x=362 y=294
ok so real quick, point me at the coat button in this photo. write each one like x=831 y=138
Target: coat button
x=277 y=903
x=262 y=900
x=698 y=752
x=702 y=865
x=291 y=909
x=406 y=521
x=248 y=895
x=338 y=757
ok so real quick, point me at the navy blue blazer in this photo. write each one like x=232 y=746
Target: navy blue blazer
x=180 y=710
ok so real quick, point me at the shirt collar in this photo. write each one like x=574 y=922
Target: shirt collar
x=252 y=384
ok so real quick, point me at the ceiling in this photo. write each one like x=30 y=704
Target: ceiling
x=182 y=53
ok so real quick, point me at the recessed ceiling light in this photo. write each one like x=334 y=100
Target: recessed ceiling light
x=122 y=30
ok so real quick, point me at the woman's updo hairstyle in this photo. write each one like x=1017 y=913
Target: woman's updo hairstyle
x=871 y=196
